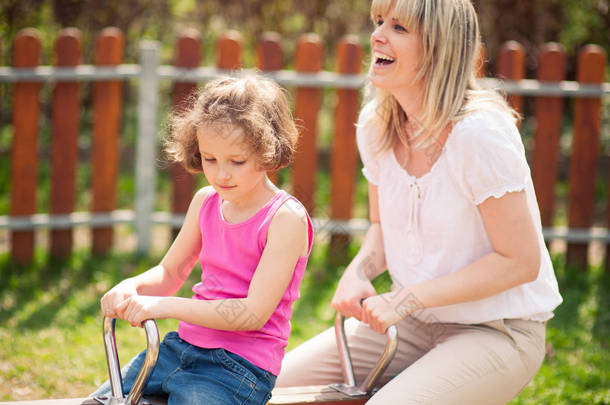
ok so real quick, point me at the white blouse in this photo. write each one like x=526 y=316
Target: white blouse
x=431 y=225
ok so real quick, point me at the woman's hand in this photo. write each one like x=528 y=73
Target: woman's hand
x=138 y=308
x=113 y=298
x=352 y=289
x=384 y=310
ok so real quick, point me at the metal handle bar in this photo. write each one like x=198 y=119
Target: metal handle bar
x=114 y=369
x=368 y=384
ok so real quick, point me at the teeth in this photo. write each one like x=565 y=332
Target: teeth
x=381 y=56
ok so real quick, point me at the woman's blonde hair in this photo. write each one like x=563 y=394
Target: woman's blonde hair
x=451 y=44
x=252 y=103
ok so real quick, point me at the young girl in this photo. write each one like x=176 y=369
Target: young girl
x=454 y=220
x=252 y=239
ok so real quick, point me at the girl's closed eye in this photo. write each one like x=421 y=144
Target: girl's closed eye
x=209 y=160
x=238 y=162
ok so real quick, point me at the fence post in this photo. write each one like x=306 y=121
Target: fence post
x=107 y=105
x=344 y=158
x=549 y=115
x=309 y=54
x=585 y=150
x=228 y=51
x=146 y=146
x=64 y=148
x=187 y=55
x=511 y=66
x=24 y=158
x=269 y=58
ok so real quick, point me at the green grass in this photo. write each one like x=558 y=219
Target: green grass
x=51 y=344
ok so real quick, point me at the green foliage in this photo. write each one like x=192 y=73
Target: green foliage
x=578 y=348
x=51 y=344
x=571 y=22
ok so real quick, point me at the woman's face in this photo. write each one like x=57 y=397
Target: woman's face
x=396 y=55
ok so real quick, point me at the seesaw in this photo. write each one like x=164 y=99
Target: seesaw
x=347 y=393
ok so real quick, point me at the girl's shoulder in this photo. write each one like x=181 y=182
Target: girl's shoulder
x=291 y=224
x=203 y=194
x=291 y=211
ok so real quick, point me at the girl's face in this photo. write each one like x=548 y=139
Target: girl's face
x=228 y=164
x=396 y=54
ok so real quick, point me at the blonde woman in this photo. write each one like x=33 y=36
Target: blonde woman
x=454 y=219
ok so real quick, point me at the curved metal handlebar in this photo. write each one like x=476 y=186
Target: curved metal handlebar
x=368 y=384
x=114 y=369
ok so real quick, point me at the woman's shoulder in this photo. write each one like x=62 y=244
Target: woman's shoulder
x=369 y=117
x=486 y=120
x=486 y=127
x=486 y=154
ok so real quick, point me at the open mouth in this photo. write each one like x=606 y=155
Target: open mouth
x=382 y=60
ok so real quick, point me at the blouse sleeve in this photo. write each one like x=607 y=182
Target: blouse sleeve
x=490 y=158
x=365 y=138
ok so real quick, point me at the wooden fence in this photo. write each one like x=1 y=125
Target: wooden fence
x=549 y=90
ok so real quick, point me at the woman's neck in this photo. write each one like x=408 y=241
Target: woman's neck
x=410 y=101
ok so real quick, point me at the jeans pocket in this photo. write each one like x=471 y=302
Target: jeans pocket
x=242 y=380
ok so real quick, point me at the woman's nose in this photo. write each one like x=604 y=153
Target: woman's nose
x=378 y=34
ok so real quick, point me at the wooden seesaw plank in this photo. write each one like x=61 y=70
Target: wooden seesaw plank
x=318 y=394
x=66 y=401
x=78 y=401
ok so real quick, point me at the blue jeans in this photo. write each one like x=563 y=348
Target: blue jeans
x=194 y=375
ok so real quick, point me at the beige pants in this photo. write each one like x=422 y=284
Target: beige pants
x=443 y=363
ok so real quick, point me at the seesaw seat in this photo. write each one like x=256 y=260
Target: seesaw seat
x=336 y=394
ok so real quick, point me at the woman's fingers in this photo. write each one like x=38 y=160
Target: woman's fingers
x=348 y=307
x=372 y=313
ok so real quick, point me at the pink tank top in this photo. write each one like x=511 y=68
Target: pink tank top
x=229 y=256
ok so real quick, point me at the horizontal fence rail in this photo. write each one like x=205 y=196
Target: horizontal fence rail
x=289 y=78
x=549 y=89
x=352 y=226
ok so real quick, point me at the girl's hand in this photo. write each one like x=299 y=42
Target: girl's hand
x=119 y=293
x=352 y=289
x=138 y=308
x=382 y=311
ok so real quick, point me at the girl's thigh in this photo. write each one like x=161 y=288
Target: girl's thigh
x=217 y=377
x=170 y=352
x=471 y=364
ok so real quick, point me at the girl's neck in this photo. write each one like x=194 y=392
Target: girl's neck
x=250 y=203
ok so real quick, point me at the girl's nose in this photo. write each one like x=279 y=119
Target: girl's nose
x=223 y=173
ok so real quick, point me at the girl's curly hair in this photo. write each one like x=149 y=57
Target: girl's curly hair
x=256 y=105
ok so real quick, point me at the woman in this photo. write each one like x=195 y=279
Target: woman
x=454 y=219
